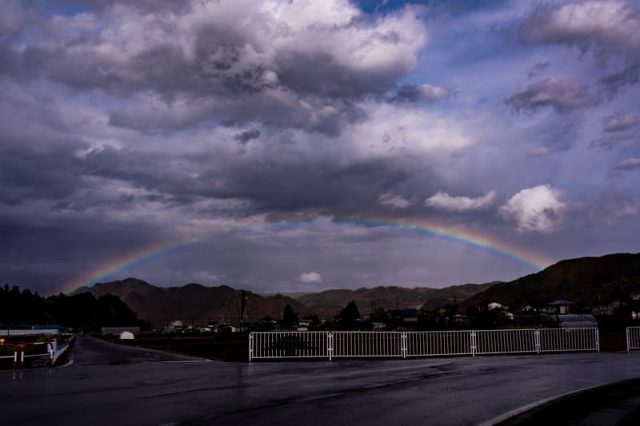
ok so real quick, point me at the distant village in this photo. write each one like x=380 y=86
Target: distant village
x=559 y=313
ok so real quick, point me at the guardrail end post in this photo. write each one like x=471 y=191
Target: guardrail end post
x=597 y=337
x=250 y=346
x=473 y=345
x=627 y=339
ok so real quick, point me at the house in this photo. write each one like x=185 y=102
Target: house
x=126 y=335
x=115 y=331
x=559 y=307
x=496 y=306
x=410 y=315
x=607 y=310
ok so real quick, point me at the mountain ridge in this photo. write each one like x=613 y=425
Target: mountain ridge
x=584 y=280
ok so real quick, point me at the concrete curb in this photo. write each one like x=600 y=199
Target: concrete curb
x=562 y=408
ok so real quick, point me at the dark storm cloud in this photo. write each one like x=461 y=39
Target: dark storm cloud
x=29 y=174
x=37 y=250
x=620 y=122
x=611 y=141
x=618 y=129
x=538 y=69
x=322 y=186
x=247 y=136
x=608 y=28
x=128 y=124
x=319 y=186
x=210 y=52
x=425 y=93
x=145 y=5
x=557 y=133
x=560 y=93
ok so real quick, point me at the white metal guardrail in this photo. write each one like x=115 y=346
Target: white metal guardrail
x=53 y=352
x=633 y=338
x=396 y=344
x=364 y=344
x=289 y=344
x=569 y=339
x=439 y=343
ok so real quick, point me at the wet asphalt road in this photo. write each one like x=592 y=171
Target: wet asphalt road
x=109 y=384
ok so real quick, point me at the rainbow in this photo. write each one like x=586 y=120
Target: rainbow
x=477 y=240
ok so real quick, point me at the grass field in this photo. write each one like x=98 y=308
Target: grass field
x=224 y=347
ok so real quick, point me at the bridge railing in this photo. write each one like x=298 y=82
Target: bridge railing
x=569 y=339
x=366 y=344
x=439 y=343
x=633 y=338
x=289 y=344
x=396 y=344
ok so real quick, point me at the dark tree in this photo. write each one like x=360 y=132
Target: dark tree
x=349 y=315
x=289 y=316
x=82 y=311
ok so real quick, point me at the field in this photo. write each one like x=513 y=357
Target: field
x=224 y=347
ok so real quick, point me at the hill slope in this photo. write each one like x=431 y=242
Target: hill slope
x=160 y=305
x=329 y=303
x=585 y=280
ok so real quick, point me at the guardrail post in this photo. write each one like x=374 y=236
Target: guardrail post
x=22 y=360
x=15 y=360
x=330 y=345
x=537 y=337
x=628 y=341
x=473 y=342
x=597 y=337
x=403 y=344
x=50 y=352
x=250 y=346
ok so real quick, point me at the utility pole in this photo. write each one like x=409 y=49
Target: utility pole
x=243 y=300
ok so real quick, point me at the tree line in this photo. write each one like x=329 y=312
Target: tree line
x=81 y=311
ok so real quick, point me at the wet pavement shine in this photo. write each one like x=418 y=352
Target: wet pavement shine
x=110 y=384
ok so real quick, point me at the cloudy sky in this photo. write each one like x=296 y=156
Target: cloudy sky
x=299 y=145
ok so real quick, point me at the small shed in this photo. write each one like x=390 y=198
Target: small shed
x=560 y=307
x=126 y=335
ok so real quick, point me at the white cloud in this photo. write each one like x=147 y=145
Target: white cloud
x=539 y=151
x=394 y=201
x=429 y=93
x=310 y=277
x=612 y=26
x=392 y=130
x=444 y=201
x=629 y=164
x=536 y=209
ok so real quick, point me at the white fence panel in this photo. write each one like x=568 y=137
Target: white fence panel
x=505 y=341
x=569 y=339
x=363 y=344
x=289 y=344
x=633 y=338
x=439 y=343
x=29 y=332
x=395 y=344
